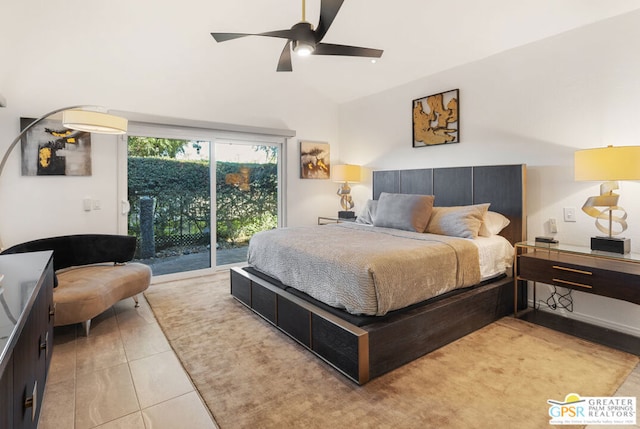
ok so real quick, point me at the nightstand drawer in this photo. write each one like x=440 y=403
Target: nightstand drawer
x=553 y=272
x=560 y=272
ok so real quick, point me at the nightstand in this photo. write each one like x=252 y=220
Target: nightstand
x=578 y=268
x=325 y=220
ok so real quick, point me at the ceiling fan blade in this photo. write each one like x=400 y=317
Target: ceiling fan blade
x=284 y=63
x=223 y=37
x=328 y=11
x=351 y=51
x=282 y=34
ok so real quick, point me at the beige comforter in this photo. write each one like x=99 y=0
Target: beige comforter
x=364 y=269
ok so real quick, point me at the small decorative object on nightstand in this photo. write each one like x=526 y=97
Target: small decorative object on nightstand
x=326 y=220
x=546 y=241
x=345 y=174
x=608 y=164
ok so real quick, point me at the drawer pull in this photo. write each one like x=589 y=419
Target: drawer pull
x=44 y=345
x=32 y=402
x=572 y=283
x=572 y=270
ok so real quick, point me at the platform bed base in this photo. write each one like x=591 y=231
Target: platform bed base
x=364 y=353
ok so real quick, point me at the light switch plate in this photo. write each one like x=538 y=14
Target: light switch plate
x=569 y=214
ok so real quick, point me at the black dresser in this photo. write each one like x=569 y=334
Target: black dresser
x=26 y=336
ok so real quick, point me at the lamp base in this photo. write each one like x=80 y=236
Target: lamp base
x=611 y=244
x=345 y=214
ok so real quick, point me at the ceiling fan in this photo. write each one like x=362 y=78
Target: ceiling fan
x=306 y=40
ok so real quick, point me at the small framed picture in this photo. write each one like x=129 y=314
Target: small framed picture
x=314 y=160
x=436 y=119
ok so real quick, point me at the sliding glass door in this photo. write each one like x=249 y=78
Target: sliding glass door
x=169 y=194
x=172 y=180
x=247 y=195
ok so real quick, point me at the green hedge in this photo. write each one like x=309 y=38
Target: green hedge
x=181 y=193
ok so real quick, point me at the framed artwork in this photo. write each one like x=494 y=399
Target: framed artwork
x=314 y=160
x=49 y=149
x=436 y=119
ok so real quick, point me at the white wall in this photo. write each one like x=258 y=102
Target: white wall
x=104 y=58
x=535 y=105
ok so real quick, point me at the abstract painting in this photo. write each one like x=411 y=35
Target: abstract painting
x=314 y=160
x=436 y=119
x=49 y=149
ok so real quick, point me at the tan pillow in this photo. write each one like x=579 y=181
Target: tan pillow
x=403 y=211
x=492 y=224
x=457 y=221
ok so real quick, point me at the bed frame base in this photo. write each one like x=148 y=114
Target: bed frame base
x=364 y=353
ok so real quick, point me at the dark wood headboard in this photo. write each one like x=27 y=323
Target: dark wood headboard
x=501 y=185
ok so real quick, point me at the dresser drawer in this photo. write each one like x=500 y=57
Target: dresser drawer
x=582 y=274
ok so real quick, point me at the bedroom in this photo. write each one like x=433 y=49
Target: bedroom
x=570 y=85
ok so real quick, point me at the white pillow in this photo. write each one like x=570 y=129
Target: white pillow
x=492 y=224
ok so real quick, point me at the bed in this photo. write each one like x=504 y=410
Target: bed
x=370 y=328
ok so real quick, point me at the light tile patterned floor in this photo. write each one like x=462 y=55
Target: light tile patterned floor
x=124 y=375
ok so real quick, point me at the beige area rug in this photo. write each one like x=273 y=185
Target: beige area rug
x=253 y=376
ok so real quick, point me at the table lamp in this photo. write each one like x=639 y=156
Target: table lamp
x=346 y=173
x=609 y=164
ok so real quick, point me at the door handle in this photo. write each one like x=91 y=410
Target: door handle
x=125 y=207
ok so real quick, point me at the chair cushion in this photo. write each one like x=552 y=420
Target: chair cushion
x=85 y=292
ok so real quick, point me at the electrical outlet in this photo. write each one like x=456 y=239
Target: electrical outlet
x=569 y=214
x=553 y=225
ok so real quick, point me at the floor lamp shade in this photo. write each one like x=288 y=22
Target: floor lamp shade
x=609 y=165
x=94 y=122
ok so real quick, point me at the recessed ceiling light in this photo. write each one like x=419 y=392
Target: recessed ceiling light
x=373 y=61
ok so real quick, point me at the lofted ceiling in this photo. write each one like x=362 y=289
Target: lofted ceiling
x=419 y=37
x=163 y=46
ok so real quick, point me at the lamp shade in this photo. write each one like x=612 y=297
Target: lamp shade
x=94 y=122
x=608 y=163
x=346 y=173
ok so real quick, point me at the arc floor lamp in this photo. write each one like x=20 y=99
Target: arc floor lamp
x=80 y=118
x=86 y=118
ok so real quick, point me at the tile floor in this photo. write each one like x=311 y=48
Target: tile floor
x=124 y=375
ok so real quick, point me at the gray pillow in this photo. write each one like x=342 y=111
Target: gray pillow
x=457 y=221
x=368 y=213
x=403 y=211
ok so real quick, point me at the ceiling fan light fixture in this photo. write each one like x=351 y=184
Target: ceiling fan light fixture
x=303 y=48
